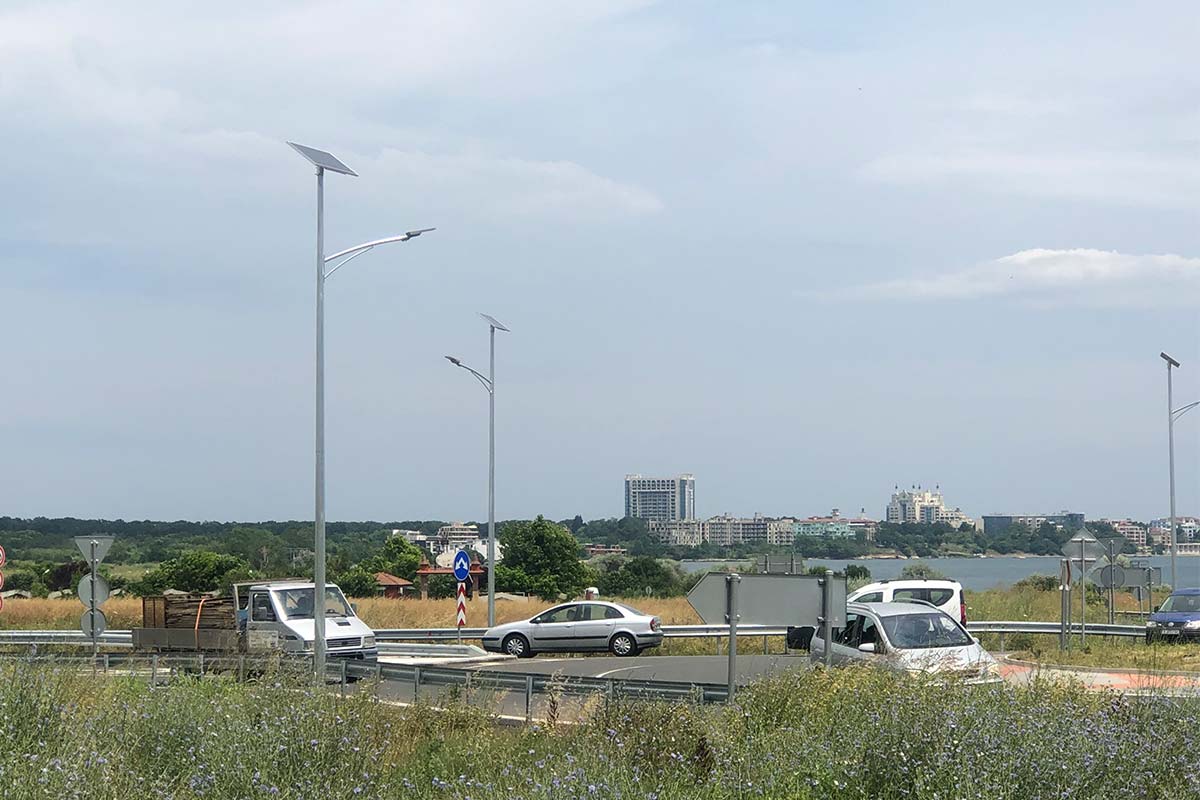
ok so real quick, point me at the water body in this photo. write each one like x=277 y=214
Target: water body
x=972 y=573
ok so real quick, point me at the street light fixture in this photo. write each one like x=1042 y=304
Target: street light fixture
x=489 y=383
x=323 y=162
x=1172 y=415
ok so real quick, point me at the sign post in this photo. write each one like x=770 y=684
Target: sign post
x=826 y=617
x=462 y=572
x=3 y=561
x=731 y=618
x=1083 y=547
x=93 y=589
x=1064 y=587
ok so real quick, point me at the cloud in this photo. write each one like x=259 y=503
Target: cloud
x=1118 y=177
x=1059 y=277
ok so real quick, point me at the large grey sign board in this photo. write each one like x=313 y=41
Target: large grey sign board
x=103 y=543
x=769 y=600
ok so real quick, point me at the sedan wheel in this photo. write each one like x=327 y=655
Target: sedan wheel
x=623 y=645
x=517 y=645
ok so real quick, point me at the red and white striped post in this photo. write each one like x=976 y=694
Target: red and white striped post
x=461 y=618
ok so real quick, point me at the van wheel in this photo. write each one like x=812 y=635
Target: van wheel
x=516 y=645
x=623 y=645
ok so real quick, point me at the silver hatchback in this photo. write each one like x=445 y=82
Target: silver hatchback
x=915 y=637
x=581 y=627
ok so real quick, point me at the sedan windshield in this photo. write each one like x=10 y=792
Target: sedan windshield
x=920 y=631
x=298 y=603
x=1182 y=603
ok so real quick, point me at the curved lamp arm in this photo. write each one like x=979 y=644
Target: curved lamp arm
x=486 y=383
x=359 y=249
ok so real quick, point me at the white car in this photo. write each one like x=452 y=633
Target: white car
x=908 y=636
x=945 y=594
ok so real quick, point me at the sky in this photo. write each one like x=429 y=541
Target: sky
x=804 y=252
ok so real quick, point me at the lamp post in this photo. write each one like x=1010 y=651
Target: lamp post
x=1172 y=415
x=489 y=383
x=323 y=162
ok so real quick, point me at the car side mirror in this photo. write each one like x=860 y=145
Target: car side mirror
x=866 y=647
x=535 y=622
x=354 y=608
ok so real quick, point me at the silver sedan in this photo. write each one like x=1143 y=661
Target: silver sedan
x=583 y=627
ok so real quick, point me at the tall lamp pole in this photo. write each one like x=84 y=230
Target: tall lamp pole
x=489 y=383
x=323 y=162
x=1172 y=415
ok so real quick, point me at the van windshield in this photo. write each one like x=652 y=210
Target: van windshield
x=920 y=631
x=298 y=603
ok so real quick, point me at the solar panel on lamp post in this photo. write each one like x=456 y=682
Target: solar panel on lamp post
x=489 y=383
x=323 y=162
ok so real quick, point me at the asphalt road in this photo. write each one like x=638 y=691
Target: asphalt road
x=686 y=669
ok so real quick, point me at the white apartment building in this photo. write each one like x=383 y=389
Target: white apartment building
x=1135 y=533
x=660 y=499
x=678 y=532
x=919 y=505
x=725 y=529
x=781 y=532
x=1189 y=529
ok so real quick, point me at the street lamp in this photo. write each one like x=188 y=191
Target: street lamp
x=489 y=383
x=1172 y=415
x=326 y=161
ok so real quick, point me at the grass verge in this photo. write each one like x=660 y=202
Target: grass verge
x=814 y=734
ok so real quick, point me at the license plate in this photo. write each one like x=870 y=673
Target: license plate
x=1168 y=632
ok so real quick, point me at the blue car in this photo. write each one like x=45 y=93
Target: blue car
x=1177 y=618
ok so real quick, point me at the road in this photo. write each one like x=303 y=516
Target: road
x=685 y=669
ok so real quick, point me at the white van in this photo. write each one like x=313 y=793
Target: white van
x=285 y=609
x=945 y=594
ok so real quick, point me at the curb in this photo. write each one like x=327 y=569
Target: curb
x=1164 y=673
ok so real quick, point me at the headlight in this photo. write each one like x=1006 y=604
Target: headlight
x=368 y=641
x=1193 y=625
x=1151 y=624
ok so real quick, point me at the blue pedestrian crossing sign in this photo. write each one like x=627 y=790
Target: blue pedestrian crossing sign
x=462 y=565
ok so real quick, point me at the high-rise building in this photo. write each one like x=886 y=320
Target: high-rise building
x=660 y=499
x=919 y=505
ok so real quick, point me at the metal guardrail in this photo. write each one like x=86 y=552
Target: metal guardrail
x=1054 y=628
x=669 y=632
x=386 y=636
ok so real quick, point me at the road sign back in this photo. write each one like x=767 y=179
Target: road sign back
x=769 y=599
x=85 y=623
x=90 y=584
x=1112 y=575
x=1084 y=545
x=103 y=543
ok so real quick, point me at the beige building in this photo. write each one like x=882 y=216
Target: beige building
x=921 y=506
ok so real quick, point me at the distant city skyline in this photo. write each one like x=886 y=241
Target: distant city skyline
x=799 y=250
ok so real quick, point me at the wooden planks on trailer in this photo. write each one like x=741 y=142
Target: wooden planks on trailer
x=188 y=611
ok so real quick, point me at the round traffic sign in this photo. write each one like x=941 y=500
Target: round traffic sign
x=85 y=623
x=1 y=580
x=3 y=557
x=92 y=583
x=462 y=565
x=1 y=603
x=1112 y=575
